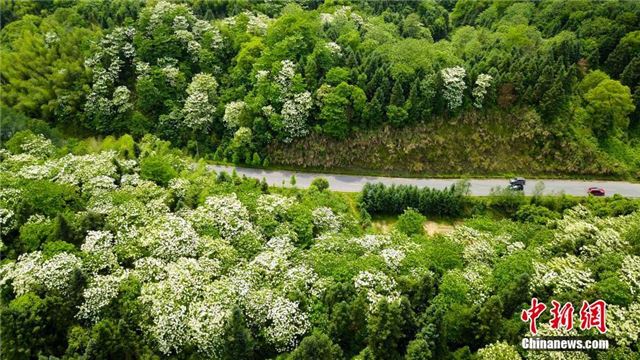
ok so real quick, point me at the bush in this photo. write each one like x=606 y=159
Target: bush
x=158 y=169
x=411 y=222
x=46 y=198
x=506 y=201
x=320 y=183
x=32 y=234
x=535 y=214
x=316 y=346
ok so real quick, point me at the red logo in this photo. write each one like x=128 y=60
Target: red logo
x=561 y=317
x=592 y=315
x=533 y=313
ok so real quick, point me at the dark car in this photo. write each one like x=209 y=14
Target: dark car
x=517 y=181
x=516 y=187
x=596 y=191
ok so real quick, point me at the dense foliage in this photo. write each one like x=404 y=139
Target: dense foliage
x=123 y=249
x=380 y=199
x=253 y=82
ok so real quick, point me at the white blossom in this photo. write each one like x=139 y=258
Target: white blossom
x=121 y=96
x=32 y=271
x=99 y=294
x=285 y=76
x=225 y=213
x=199 y=108
x=377 y=286
x=273 y=204
x=630 y=271
x=514 y=247
x=51 y=38
x=38 y=146
x=280 y=320
x=262 y=75
x=563 y=274
x=479 y=251
x=392 y=257
x=294 y=115
x=454 y=86
x=257 y=24
x=170 y=237
x=325 y=220
x=7 y=221
x=233 y=113
x=179 y=186
x=483 y=82
x=371 y=243
x=334 y=48
x=171 y=73
x=499 y=350
x=624 y=324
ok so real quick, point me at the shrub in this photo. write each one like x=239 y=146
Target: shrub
x=158 y=169
x=320 y=183
x=535 y=214
x=411 y=222
x=506 y=201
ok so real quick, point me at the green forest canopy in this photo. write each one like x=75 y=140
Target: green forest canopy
x=230 y=78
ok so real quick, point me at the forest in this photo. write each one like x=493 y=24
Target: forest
x=300 y=84
x=118 y=241
x=119 y=249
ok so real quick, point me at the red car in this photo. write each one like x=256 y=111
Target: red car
x=596 y=191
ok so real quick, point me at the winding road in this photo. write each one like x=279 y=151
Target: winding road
x=479 y=187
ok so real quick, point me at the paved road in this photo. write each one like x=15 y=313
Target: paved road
x=479 y=187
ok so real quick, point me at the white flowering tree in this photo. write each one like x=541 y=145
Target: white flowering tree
x=199 y=108
x=483 y=82
x=454 y=86
x=109 y=99
x=234 y=114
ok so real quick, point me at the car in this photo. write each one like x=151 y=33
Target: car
x=516 y=187
x=596 y=191
x=517 y=181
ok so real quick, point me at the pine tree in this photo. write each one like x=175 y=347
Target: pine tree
x=239 y=342
x=397 y=94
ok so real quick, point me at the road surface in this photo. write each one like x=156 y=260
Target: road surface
x=479 y=187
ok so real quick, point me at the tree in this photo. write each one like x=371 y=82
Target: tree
x=454 y=86
x=32 y=325
x=499 y=351
x=627 y=49
x=158 y=169
x=316 y=346
x=49 y=85
x=341 y=107
x=320 y=183
x=480 y=90
x=389 y=327
x=419 y=349
x=608 y=106
x=199 y=108
x=239 y=341
x=411 y=222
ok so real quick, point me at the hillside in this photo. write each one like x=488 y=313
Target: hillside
x=122 y=249
x=239 y=81
x=491 y=143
